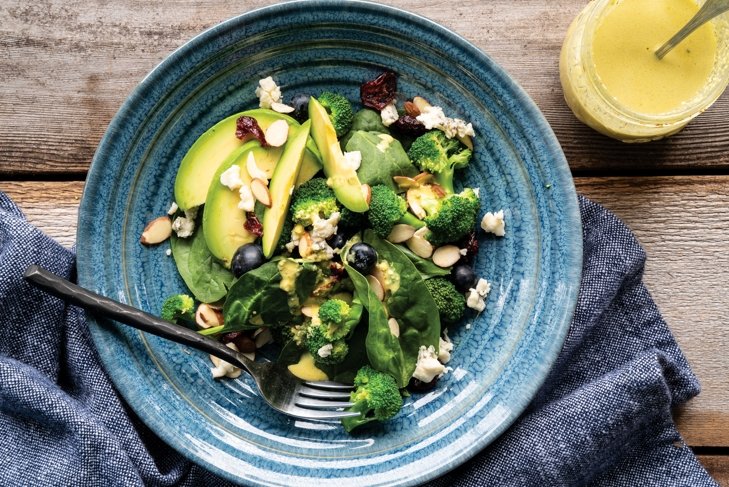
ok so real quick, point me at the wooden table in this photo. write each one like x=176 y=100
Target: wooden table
x=67 y=65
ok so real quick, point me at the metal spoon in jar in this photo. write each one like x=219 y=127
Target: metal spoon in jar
x=708 y=11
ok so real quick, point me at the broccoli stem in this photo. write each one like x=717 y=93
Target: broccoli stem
x=412 y=220
x=445 y=179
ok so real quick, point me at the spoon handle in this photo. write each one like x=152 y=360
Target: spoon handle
x=123 y=313
x=708 y=11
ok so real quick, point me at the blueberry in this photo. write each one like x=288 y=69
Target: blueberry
x=300 y=103
x=337 y=240
x=463 y=277
x=362 y=257
x=246 y=258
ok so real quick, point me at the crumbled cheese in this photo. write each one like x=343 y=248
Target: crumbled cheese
x=323 y=228
x=268 y=92
x=431 y=117
x=184 y=226
x=463 y=252
x=389 y=114
x=468 y=326
x=353 y=159
x=325 y=351
x=494 y=223
x=428 y=367
x=477 y=192
x=254 y=171
x=445 y=348
x=224 y=369
x=483 y=287
x=475 y=301
x=173 y=209
x=168 y=252
x=231 y=177
x=247 y=200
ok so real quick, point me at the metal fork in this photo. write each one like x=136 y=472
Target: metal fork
x=279 y=388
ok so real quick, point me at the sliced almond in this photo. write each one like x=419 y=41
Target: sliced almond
x=215 y=360
x=262 y=336
x=281 y=107
x=260 y=192
x=305 y=244
x=394 y=327
x=234 y=374
x=310 y=310
x=421 y=232
x=420 y=246
x=277 y=133
x=367 y=192
x=254 y=171
x=414 y=204
x=401 y=233
x=206 y=316
x=438 y=190
x=446 y=256
x=376 y=287
x=411 y=109
x=424 y=178
x=250 y=356
x=157 y=231
x=421 y=103
x=466 y=140
x=405 y=182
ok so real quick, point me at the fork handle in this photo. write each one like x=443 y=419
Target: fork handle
x=128 y=315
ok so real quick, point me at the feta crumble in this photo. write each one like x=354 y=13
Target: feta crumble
x=432 y=117
x=231 y=178
x=168 y=252
x=247 y=200
x=389 y=114
x=428 y=367
x=268 y=92
x=494 y=223
x=184 y=226
x=173 y=209
x=323 y=228
x=445 y=348
x=353 y=159
x=223 y=368
x=476 y=296
x=325 y=351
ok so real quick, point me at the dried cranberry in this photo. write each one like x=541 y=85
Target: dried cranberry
x=408 y=125
x=379 y=92
x=253 y=224
x=246 y=127
x=243 y=342
x=416 y=385
x=336 y=270
x=470 y=243
x=230 y=337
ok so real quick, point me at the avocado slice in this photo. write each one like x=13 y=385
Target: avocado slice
x=282 y=185
x=341 y=178
x=223 y=221
x=214 y=146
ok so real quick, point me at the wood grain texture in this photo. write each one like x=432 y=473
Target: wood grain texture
x=71 y=64
x=681 y=221
x=717 y=466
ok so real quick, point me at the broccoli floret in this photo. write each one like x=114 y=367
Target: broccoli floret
x=322 y=347
x=295 y=333
x=451 y=304
x=339 y=110
x=388 y=208
x=454 y=218
x=339 y=318
x=376 y=398
x=178 y=306
x=313 y=198
x=333 y=312
x=437 y=154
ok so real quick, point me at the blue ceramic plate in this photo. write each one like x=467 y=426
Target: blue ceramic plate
x=500 y=359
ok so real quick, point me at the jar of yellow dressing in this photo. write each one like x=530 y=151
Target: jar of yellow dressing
x=613 y=81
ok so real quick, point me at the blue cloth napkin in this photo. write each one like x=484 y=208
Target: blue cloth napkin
x=602 y=418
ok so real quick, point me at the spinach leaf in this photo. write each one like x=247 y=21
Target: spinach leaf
x=410 y=304
x=425 y=266
x=383 y=348
x=306 y=281
x=206 y=278
x=382 y=158
x=256 y=292
x=367 y=120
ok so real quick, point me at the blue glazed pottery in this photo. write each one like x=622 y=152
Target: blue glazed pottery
x=501 y=356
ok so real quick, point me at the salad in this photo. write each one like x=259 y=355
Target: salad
x=337 y=238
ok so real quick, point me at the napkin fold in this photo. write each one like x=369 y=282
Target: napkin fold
x=603 y=416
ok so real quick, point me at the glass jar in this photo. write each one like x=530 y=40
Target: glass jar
x=591 y=101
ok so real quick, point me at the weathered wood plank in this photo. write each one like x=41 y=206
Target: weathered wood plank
x=681 y=221
x=67 y=66
x=718 y=467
